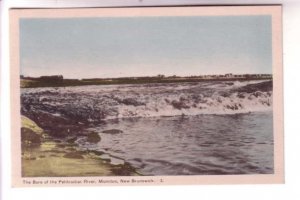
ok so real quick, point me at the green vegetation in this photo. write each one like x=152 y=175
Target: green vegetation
x=55 y=82
x=66 y=82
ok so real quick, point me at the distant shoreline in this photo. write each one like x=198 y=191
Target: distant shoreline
x=59 y=81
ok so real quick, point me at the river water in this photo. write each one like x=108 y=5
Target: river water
x=205 y=128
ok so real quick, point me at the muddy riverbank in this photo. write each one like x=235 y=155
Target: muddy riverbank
x=44 y=155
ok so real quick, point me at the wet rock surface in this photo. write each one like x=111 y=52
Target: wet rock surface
x=66 y=116
x=72 y=109
x=45 y=155
x=29 y=137
x=93 y=137
x=112 y=131
x=263 y=87
x=74 y=155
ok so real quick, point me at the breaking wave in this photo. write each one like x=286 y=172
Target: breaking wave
x=97 y=103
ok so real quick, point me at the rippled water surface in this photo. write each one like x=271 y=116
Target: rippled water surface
x=185 y=145
x=221 y=127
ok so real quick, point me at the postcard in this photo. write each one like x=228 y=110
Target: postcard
x=146 y=96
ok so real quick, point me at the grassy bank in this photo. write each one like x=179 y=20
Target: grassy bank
x=25 y=83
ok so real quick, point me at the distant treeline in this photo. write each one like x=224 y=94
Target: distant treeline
x=59 y=81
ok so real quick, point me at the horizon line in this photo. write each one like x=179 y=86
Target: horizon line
x=145 y=76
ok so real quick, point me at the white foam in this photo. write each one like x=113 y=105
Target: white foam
x=123 y=101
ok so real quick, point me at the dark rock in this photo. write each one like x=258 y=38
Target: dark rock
x=55 y=151
x=241 y=95
x=71 y=140
x=57 y=126
x=60 y=145
x=98 y=153
x=233 y=107
x=229 y=83
x=30 y=158
x=93 y=137
x=70 y=149
x=259 y=94
x=74 y=155
x=224 y=94
x=30 y=137
x=123 y=170
x=131 y=101
x=61 y=130
x=266 y=86
x=112 y=131
x=179 y=105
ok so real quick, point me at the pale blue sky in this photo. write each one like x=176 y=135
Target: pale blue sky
x=143 y=46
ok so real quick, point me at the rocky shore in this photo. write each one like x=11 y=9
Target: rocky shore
x=55 y=153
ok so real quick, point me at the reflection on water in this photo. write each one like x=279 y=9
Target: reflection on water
x=193 y=145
